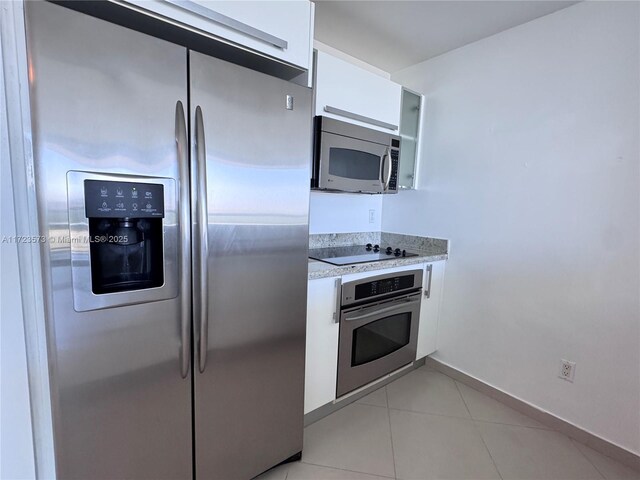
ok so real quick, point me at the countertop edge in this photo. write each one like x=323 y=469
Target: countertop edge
x=337 y=271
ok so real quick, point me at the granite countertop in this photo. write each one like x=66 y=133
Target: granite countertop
x=428 y=250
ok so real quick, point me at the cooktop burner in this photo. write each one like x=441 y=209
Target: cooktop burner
x=357 y=254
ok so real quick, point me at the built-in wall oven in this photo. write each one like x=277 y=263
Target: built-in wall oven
x=350 y=158
x=378 y=327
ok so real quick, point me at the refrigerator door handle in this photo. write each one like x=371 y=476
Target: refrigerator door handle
x=203 y=222
x=185 y=248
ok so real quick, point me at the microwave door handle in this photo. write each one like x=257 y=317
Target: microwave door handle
x=381 y=173
x=387 y=169
x=203 y=224
x=185 y=248
x=376 y=312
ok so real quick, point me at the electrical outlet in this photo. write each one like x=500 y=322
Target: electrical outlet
x=567 y=370
x=372 y=216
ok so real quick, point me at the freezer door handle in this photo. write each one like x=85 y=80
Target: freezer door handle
x=185 y=248
x=203 y=221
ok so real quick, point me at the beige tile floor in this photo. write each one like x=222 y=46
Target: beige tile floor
x=427 y=426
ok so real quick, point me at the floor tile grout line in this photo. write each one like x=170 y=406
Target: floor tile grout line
x=393 y=451
x=344 y=470
x=475 y=427
x=429 y=413
x=588 y=459
x=548 y=429
x=463 y=400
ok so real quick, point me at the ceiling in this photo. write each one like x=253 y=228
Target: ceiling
x=394 y=34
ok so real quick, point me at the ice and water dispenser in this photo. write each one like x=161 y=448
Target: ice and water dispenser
x=124 y=239
x=125 y=231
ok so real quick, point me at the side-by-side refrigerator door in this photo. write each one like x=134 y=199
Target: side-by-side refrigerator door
x=250 y=195
x=108 y=108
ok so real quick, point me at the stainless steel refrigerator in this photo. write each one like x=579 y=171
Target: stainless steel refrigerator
x=173 y=192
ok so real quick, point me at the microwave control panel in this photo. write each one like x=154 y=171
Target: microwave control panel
x=393 y=180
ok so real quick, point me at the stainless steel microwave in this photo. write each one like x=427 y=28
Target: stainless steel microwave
x=350 y=158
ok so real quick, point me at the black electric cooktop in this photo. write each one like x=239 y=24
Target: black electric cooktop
x=357 y=254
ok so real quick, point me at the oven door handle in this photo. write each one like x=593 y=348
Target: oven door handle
x=395 y=306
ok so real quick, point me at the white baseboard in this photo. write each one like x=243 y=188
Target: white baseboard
x=573 y=431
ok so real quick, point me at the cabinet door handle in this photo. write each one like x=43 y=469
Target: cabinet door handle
x=336 y=312
x=360 y=118
x=229 y=22
x=427 y=291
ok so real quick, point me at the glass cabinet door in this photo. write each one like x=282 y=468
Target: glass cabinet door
x=409 y=133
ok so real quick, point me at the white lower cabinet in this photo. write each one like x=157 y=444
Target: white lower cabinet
x=433 y=281
x=321 y=368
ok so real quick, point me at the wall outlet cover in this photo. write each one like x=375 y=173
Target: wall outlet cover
x=567 y=370
x=372 y=216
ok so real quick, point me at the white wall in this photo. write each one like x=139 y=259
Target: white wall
x=348 y=58
x=344 y=212
x=530 y=167
x=16 y=442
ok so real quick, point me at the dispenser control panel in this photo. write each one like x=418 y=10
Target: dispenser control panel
x=106 y=199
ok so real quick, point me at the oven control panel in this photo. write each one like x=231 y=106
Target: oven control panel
x=368 y=289
x=382 y=287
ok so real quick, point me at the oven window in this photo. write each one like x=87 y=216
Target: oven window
x=354 y=164
x=382 y=337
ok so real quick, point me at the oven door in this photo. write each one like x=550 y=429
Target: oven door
x=376 y=340
x=352 y=165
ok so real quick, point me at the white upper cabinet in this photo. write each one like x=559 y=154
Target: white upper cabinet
x=350 y=93
x=279 y=29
